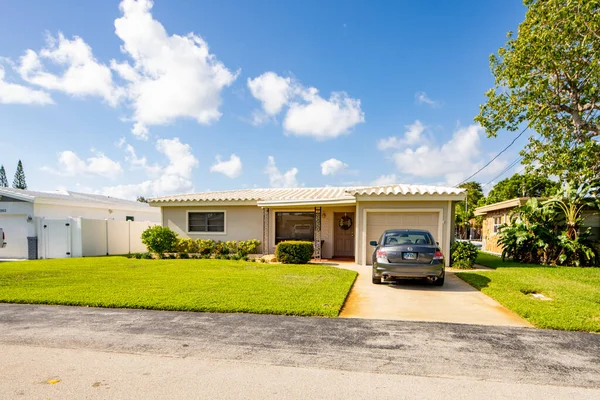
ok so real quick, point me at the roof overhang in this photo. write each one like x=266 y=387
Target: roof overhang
x=201 y=203
x=413 y=197
x=507 y=204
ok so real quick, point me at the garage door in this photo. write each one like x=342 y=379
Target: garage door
x=377 y=223
x=15 y=230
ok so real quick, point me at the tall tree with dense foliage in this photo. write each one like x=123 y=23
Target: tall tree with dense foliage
x=19 y=181
x=547 y=77
x=465 y=209
x=522 y=185
x=3 y=180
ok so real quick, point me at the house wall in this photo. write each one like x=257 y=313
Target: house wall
x=55 y=211
x=489 y=240
x=241 y=222
x=424 y=205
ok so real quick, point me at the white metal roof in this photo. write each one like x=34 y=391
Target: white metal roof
x=69 y=197
x=310 y=195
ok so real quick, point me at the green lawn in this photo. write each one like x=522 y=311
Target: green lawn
x=189 y=285
x=575 y=292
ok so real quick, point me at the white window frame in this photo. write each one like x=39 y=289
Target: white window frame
x=495 y=226
x=187 y=222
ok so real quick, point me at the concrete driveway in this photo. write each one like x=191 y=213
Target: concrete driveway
x=412 y=300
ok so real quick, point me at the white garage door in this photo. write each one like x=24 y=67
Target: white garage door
x=15 y=230
x=377 y=223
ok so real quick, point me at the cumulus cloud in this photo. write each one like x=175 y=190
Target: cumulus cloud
x=453 y=160
x=172 y=76
x=70 y=164
x=12 y=93
x=273 y=91
x=231 y=168
x=422 y=98
x=82 y=74
x=412 y=135
x=308 y=113
x=278 y=179
x=332 y=166
x=175 y=177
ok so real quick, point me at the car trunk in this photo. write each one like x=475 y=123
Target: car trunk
x=411 y=254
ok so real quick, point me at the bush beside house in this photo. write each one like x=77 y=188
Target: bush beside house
x=463 y=255
x=294 y=252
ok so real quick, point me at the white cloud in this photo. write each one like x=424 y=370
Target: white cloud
x=172 y=76
x=231 y=168
x=140 y=162
x=453 y=160
x=385 y=180
x=70 y=164
x=412 y=135
x=273 y=91
x=278 y=179
x=82 y=76
x=323 y=119
x=332 y=166
x=308 y=114
x=422 y=98
x=12 y=93
x=175 y=177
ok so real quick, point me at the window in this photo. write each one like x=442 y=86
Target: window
x=497 y=224
x=410 y=237
x=294 y=226
x=206 y=222
x=129 y=218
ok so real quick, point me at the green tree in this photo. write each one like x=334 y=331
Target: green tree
x=3 y=180
x=547 y=77
x=465 y=209
x=142 y=199
x=19 y=181
x=522 y=185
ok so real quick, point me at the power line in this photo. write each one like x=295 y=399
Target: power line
x=511 y=165
x=496 y=156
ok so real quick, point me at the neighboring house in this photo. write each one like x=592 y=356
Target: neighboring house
x=497 y=214
x=341 y=221
x=50 y=224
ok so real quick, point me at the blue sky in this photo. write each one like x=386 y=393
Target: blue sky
x=136 y=98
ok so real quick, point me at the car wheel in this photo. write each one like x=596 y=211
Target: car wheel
x=375 y=279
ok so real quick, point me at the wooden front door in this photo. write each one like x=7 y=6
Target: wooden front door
x=343 y=239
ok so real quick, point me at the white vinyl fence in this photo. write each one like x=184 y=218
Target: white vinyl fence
x=77 y=237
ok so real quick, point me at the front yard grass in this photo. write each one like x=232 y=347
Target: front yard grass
x=186 y=285
x=574 y=292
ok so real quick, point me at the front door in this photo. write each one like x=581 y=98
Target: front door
x=343 y=235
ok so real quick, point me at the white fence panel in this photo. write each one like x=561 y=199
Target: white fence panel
x=117 y=237
x=93 y=237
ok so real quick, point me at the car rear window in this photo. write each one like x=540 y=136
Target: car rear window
x=392 y=238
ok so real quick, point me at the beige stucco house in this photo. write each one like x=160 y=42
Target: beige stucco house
x=497 y=214
x=341 y=221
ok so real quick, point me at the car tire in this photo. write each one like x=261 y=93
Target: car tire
x=439 y=281
x=375 y=279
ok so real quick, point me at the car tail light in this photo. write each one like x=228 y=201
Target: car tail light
x=381 y=254
x=438 y=255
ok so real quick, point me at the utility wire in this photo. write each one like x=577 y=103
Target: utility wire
x=505 y=170
x=496 y=156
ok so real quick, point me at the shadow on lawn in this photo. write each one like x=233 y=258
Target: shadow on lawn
x=474 y=279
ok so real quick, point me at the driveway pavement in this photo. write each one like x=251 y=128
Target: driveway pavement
x=411 y=300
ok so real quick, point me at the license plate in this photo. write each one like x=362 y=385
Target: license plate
x=409 y=256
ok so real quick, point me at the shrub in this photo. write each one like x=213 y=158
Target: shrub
x=185 y=245
x=205 y=246
x=246 y=247
x=245 y=258
x=463 y=255
x=221 y=248
x=159 y=239
x=294 y=252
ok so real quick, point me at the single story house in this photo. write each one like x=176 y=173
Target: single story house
x=35 y=223
x=497 y=214
x=341 y=221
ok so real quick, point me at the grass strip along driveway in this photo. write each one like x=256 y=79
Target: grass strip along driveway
x=571 y=296
x=187 y=285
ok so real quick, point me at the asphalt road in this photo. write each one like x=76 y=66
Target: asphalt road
x=114 y=353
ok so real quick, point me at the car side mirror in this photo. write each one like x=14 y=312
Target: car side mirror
x=373 y=243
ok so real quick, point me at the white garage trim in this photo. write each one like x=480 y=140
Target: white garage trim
x=440 y=212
